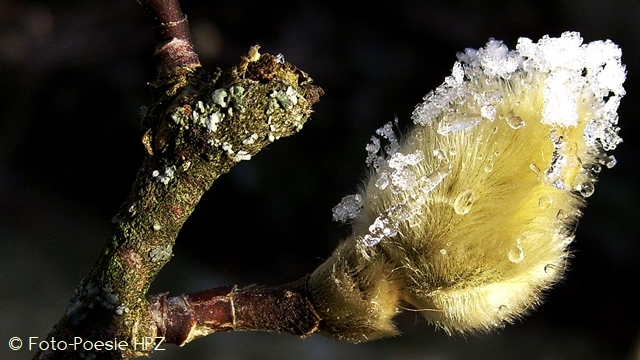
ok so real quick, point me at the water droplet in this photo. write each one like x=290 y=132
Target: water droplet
x=593 y=169
x=544 y=202
x=438 y=154
x=464 y=200
x=502 y=311
x=443 y=251
x=515 y=122
x=534 y=168
x=516 y=254
x=586 y=189
x=488 y=168
x=562 y=215
x=551 y=270
x=540 y=175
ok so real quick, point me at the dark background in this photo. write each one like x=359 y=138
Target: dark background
x=72 y=79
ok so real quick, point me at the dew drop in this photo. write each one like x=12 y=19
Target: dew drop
x=438 y=154
x=551 y=270
x=562 y=215
x=502 y=311
x=464 y=200
x=488 y=168
x=534 y=168
x=516 y=254
x=515 y=122
x=443 y=251
x=586 y=188
x=544 y=202
x=593 y=169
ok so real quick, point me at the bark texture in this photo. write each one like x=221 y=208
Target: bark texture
x=198 y=126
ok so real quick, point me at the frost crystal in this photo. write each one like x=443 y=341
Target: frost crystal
x=457 y=124
x=497 y=60
x=387 y=132
x=349 y=208
x=559 y=82
x=470 y=216
x=379 y=230
x=402 y=177
x=242 y=155
x=571 y=70
x=374 y=156
x=373 y=160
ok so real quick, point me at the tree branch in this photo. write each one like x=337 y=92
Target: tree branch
x=197 y=128
x=174 y=48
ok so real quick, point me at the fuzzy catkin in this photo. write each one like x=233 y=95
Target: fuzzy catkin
x=468 y=219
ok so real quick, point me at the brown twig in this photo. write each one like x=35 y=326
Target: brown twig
x=174 y=48
x=284 y=308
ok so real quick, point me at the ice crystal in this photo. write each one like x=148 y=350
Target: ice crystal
x=349 y=208
x=569 y=77
x=469 y=217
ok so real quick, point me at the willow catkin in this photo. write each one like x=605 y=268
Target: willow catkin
x=468 y=218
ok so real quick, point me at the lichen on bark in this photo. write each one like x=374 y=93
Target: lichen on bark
x=197 y=128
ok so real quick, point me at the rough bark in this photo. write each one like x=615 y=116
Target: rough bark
x=198 y=126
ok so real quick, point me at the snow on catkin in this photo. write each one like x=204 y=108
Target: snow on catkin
x=468 y=218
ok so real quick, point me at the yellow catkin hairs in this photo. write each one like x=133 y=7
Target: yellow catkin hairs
x=468 y=219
